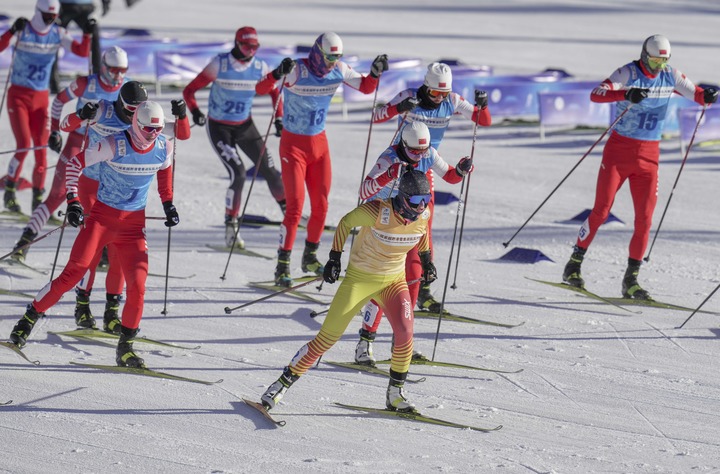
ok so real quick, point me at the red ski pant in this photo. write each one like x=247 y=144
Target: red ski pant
x=29 y=120
x=305 y=162
x=391 y=293
x=637 y=162
x=57 y=193
x=114 y=280
x=106 y=225
x=371 y=312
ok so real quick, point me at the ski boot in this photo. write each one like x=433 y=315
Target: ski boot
x=364 y=349
x=231 y=228
x=571 y=274
x=111 y=321
x=22 y=329
x=10 y=199
x=395 y=398
x=276 y=391
x=83 y=315
x=310 y=263
x=630 y=287
x=37 y=197
x=426 y=300
x=19 y=253
x=282 y=270
x=124 y=356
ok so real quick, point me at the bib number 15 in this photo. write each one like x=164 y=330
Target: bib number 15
x=648 y=121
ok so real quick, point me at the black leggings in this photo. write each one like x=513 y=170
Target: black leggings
x=225 y=139
x=80 y=15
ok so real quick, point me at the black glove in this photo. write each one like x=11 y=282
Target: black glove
x=407 y=105
x=464 y=166
x=171 y=214
x=636 y=95
x=379 y=65
x=710 y=95
x=105 y=7
x=198 y=117
x=88 y=112
x=55 y=141
x=429 y=272
x=278 y=127
x=74 y=211
x=332 y=267
x=481 y=99
x=179 y=109
x=89 y=27
x=284 y=68
x=19 y=25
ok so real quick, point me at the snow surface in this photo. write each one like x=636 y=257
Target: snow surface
x=602 y=390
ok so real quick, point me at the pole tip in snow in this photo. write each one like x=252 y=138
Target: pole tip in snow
x=228 y=310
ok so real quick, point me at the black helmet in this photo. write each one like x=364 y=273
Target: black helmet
x=132 y=94
x=413 y=195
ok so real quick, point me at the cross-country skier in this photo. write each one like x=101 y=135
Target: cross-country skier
x=643 y=88
x=234 y=77
x=309 y=85
x=389 y=228
x=434 y=103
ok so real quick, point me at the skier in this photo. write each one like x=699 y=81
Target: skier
x=309 y=85
x=81 y=13
x=389 y=229
x=129 y=162
x=28 y=96
x=234 y=76
x=87 y=90
x=632 y=152
x=413 y=152
x=434 y=103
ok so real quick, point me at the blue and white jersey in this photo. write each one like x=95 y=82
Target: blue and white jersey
x=432 y=161
x=437 y=120
x=34 y=56
x=94 y=92
x=233 y=90
x=106 y=123
x=126 y=178
x=646 y=120
x=306 y=101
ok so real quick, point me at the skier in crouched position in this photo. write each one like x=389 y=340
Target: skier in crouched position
x=389 y=229
x=642 y=90
x=130 y=160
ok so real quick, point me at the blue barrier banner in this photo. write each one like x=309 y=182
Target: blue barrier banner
x=573 y=108
x=709 y=128
x=392 y=81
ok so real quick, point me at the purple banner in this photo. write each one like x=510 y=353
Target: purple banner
x=573 y=108
x=709 y=128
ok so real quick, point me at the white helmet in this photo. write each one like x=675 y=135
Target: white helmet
x=331 y=43
x=439 y=77
x=148 y=121
x=113 y=66
x=48 y=6
x=416 y=140
x=656 y=46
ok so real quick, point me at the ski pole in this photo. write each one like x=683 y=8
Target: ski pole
x=677 y=178
x=462 y=223
x=701 y=305
x=255 y=173
x=9 y=73
x=367 y=144
x=447 y=275
x=167 y=260
x=229 y=310
x=38 y=239
x=505 y=244
x=19 y=150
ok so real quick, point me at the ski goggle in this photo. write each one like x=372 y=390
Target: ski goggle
x=657 y=63
x=48 y=18
x=129 y=108
x=116 y=70
x=150 y=129
x=416 y=153
x=415 y=201
x=331 y=57
x=249 y=46
x=435 y=93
